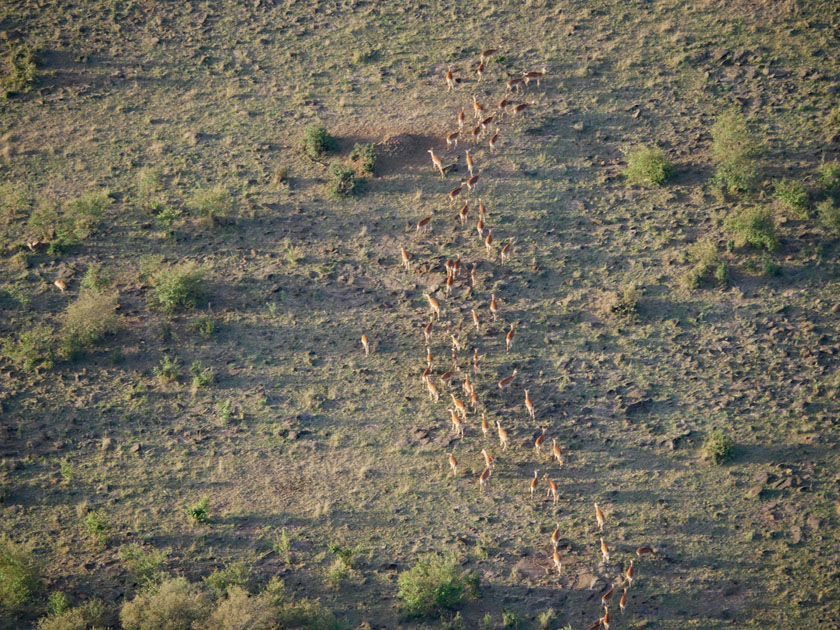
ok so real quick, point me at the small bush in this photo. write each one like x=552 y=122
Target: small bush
x=547 y=619
x=623 y=305
x=82 y=617
x=829 y=177
x=69 y=225
x=168 y=371
x=172 y=605
x=95 y=279
x=752 y=226
x=212 y=204
x=794 y=197
x=733 y=151
x=87 y=321
x=32 y=349
x=15 y=198
x=202 y=376
x=704 y=255
x=203 y=326
x=280 y=177
x=829 y=215
x=96 y=527
x=241 y=611
x=19 y=575
x=433 y=585
x=235 y=574
x=363 y=157
x=21 y=67
x=316 y=141
x=149 y=188
x=648 y=166
x=718 y=447
x=179 y=286
x=722 y=274
x=198 y=512
x=342 y=182
x=144 y=565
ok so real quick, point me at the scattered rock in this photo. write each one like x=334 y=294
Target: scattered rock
x=135 y=448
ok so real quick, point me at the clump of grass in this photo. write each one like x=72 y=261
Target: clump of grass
x=148 y=187
x=280 y=177
x=95 y=278
x=704 y=255
x=87 y=321
x=144 y=564
x=168 y=371
x=172 y=605
x=21 y=67
x=203 y=326
x=829 y=177
x=546 y=619
x=32 y=349
x=621 y=305
x=240 y=610
x=648 y=166
x=734 y=151
x=829 y=215
x=342 y=182
x=752 y=226
x=15 y=199
x=97 y=527
x=212 y=204
x=718 y=447
x=202 y=376
x=89 y=615
x=363 y=157
x=69 y=225
x=316 y=141
x=793 y=196
x=283 y=546
x=235 y=574
x=298 y=613
x=434 y=584
x=20 y=575
x=198 y=512
x=178 y=286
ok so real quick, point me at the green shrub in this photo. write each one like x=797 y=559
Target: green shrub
x=648 y=166
x=203 y=326
x=15 y=198
x=722 y=274
x=342 y=182
x=212 y=204
x=19 y=575
x=794 y=197
x=829 y=177
x=168 y=371
x=198 y=512
x=179 y=286
x=69 y=225
x=95 y=279
x=316 y=141
x=718 y=446
x=87 y=321
x=96 y=527
x=704 y=255
x=752 y=226
x=829 y=215
x=241 y=611
x=145 y=565
x=149 y=188
x=363 y=157
x=734 y=151
x=433 y=585
x=510 y=620
x=68 y=471
x=235 y=574
x=21 y=67
x=32 y=349
x=280 y=177
x=172 y=605
x=81 y=617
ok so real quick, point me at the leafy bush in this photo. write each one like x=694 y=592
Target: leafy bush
x=342 y=181
x=363 y=156
x=316 y=141
x=87 y=320
x=32 y=349
x=172 y=605
x=623 y=305
x=280 y=177
x=752 y=226
x=718 y=446
x=212 y=204
x=794 y=197
x=241 y=611
x=95 y=279
x=15 y=198
x=21 y=67
x=69 y=225
x=96 y=527
x=830 y=177
x=168 y=371
x=198 y=512
x=434 y=584
x=179 y=286
x=149 y=187
x=202 y=376
x=829 y=215
x=144 y=565
x=704 y=255
x=204 y=326
x=235 y=574
x=81 y=617
x=733 y=151
x=19 y=575
x=648 y=165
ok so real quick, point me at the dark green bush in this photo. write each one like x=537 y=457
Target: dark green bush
x=19 y=576
x=342 y=181
x=363 y=156
x=316 y=141
x=752 y=226
x=734 y=151
x=718 y=446
x=179 y=286
x=198 y=512
x=648 y=166
x=433 y=585
x=794 y=197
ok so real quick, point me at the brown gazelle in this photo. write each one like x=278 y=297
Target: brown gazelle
x=605 y=620
x=449 y=282
x=629 y=574
x=557 y=563
x=540 y=438
x=489 y=461
x=461 y=118
x=434 y=305
x=509 y=338
x=535 y=482
x=527 y=76
x=424 y=224
x=518 y=108
x=457 y=423
x=450 y=79
x=438 y=164
x=622 y=603
x=434 y=392
x=366 y=344
x=452 y=139
x=483 y=477
x=552 y=488
x=473 y=275
x=645 y=551
x=507 y=380
x=427 y=331
x=466 y=385
x=478 y=109
x=555 y=537
x=473 y=181
x=476 y=133
x=456 y=343
x=482 y=209
x=446 y=378
x=463 y=212
x=556 y=453
x=429 y=359
x=492 y=142
x=480 y=71
x=476 y=321
x=473 y=399
x=406 y=259
x=453 y=464
x=529 y=406
x=453 y=194
x=489 y=51
x=425 y=375
x=470 y=163
x=485 y=426
x=494 y=307
x=456 y=267
x=606 y=598
x=514 y=84
x=605 y=551
x=503 y=436
x=488 y=242
x=599 y=516
x=506 y=251
x=61 y=285
x=476 y=361
x=596 y=625
x=459 y=406
x=501 y=106
x=487 y=121
x=479 y=226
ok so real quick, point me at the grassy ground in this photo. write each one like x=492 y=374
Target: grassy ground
x=301 y=432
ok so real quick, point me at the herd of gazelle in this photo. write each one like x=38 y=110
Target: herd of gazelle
x=459 y=410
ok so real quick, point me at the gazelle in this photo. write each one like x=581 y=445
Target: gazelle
x=488 y=241
x=507 y=380
x=540 y=438
x=453 y=464
x=427 y=331
x=622 y=603
x=509 y=338
x=605 y=551
x=463 y=212
x=457 y=423
x=606 y=598
x=434 y=305
x=450 y=79
x=446 y=377
x=425 y=375
x=555 y=537
x=479 y=226
x=449 y=282
x=494 y=307
x=506 y=251
x=492 y=142
x=459 y=406
x=482 y=209
x=451 y=139
x=485 y=427
x=629 y=574
x=473 y=399
x=503 y=436
x=472 y=181
x=483 y=477
x=456 y=267
x=487 y=121
x=476 y=322
x=424 y=224
x=556 y=453
x=461 y=118
x=488 y=52
x=599 y=516
x=473 y=275
x=434 y=392
x=501 y=106
x=454 y=193
x=456 y=343
x=552 y=488
x=429 y=359
x=436 y=161
x=520 y=107
x=366 y=344
x=489 y=461
x=645 y=551
x=476 y=133
x=534 y=483
x=61 y=285
x=476 y=361
x=470 y=163
x=514 y=84
x=527 y=76
x=605 y=620
x=557 y=563
x=480 y=71
x=529 y=405
x=478 y=109
x=596 y=625
x=467 y=386
x=406 y=259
